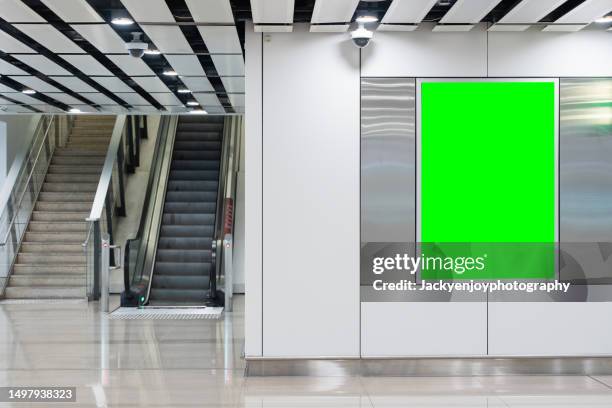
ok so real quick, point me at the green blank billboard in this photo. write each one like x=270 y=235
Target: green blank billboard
x=487 y=177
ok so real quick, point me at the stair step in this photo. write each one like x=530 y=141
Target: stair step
x=32 y=269
x=63 y=197
x=79 y=161
x=180 y=282
x=195 y=165
x=51 y=259
x=71 y=237
x=38 y=292
x=58 y=217
x=183 y=255
x=69 y=187
x=83 y=169
x=41 y=226
x=179 y=296
x=183 y=268
x=179 y=207
x=51 y=246
x=70 y=151
x=202 y=175
x=72 y=178
x=50 y=280
x=184 y=243
x=187 y=231
x=192 y=185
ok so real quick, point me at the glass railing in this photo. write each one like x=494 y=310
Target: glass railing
x=21 y=190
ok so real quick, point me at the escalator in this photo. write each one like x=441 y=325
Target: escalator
x=183 y=263
x=174 y=259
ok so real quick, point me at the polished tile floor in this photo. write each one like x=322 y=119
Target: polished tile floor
x=197 y=363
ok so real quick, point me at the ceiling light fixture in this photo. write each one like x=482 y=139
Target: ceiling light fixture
x=184 y=90
x=29 y=91
x=152 y=52
x=193 y=103
x=604 y=19
x=366 y=19
x=170 y=72
x=74 y=110
x=198 y=112
x=122 y=21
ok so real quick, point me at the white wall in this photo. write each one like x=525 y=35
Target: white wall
x=303 y=301
x=15 y=136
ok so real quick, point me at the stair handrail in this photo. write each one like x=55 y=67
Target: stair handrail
x=30 y=174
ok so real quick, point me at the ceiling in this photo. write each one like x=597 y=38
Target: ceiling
x=69 y=55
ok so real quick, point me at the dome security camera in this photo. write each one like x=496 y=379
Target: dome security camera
x=136 y=48
x=361 y=36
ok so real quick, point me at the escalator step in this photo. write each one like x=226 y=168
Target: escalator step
x=196 y=155
x=183 y=268
x=202 y=175
x=180 y=282
x=191 y=196
x=184 y=243
x=195 y=165
x=198 y=145
x=188 y=219
x=192 y=185
x=179 y=296
x=187 y=231
x=183 y=255
x=181 y=207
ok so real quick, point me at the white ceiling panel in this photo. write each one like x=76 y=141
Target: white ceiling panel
x=221 y=39
x=6 y=89
x=85 y=108
x=587 y=12
x=132 y=98
x=50 y=38
x=195 y=84
x=115 y=109
x=177 y=109
x=397 y=27
x=65 y=98
x=278 y=28
x=228 y=64
x=130 y=65
x=564 y=28
x=168 y=39
x=207 y=99
x=87 y=64
x=36 y=83
x=233 y=84
x=211 y=11
x=215 y=109
x=333 y=11
x=167 y=99
x=10 y=45
x=186 y=64
x=530 y=11
x=74 y=11
x=151 y=11
x=9 y=69
x=113 y=84
x=102 y=36
x=151 y=84
x=4 y=109
x=42 y=64
x=413 y=11
x=100 y=98
x=272 y=11
x=452 y=28
x=22 y=98
x=329 y=28
x=236 y=99
x=469 y=11
x=14 y=11
x=74 y=84
x=508 y=27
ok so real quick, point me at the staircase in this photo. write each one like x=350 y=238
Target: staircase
x=183 y=262
x=51 y=261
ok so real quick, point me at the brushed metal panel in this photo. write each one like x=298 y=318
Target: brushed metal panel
x=387 y=160
x=586 y=180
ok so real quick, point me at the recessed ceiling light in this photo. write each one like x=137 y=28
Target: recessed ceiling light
x=184 y=90
x=192 y=103
x=170 y=72
x=29 y=91
x=605 y=19
x=198 y=112
x=152 y=52
x=74 y=110
x=122 y=21
x=367 y=19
